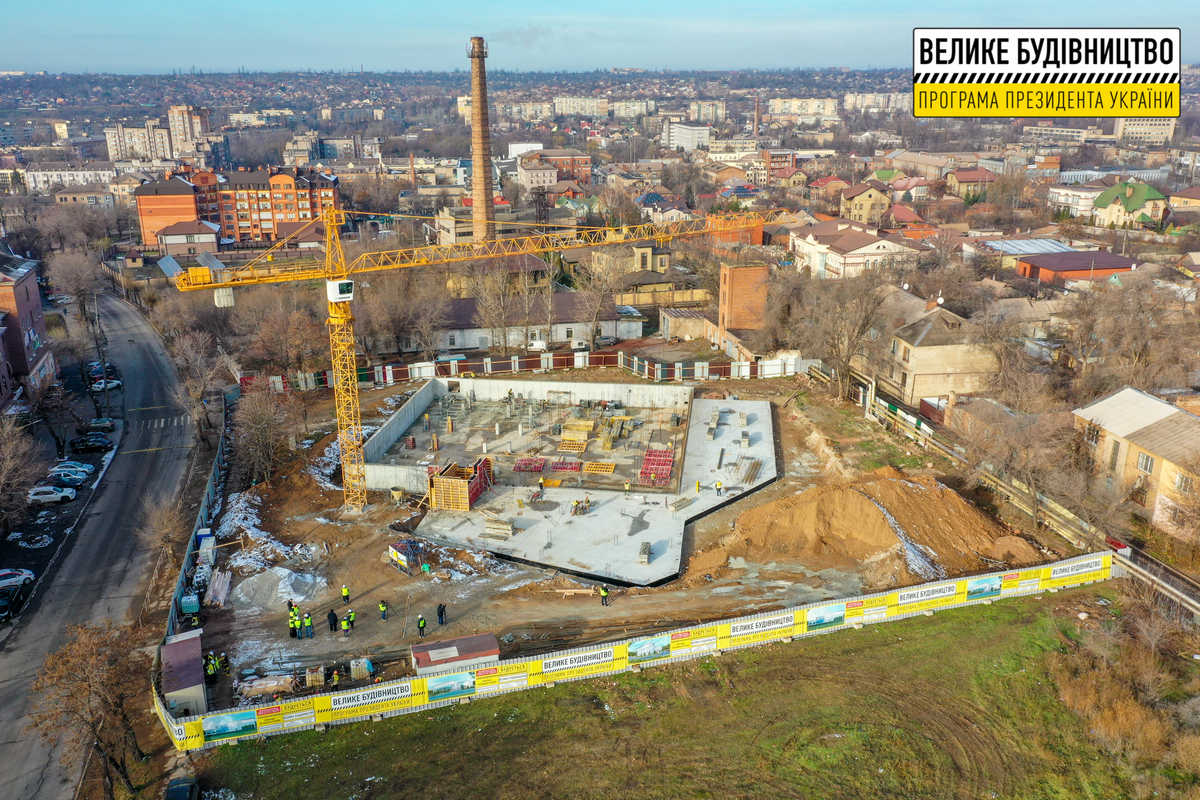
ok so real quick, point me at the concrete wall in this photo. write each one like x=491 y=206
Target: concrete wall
x=629 y=394
x=398 y=423
x=383 y=477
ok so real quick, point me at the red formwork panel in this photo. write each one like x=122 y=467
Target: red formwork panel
x=658 y=463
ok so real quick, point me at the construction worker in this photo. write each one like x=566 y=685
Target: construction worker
x=332 y=619
x=292 y=627
x=720 y=490
x=421 y=625
x=441 y=613
x=308 y=634
x=627 y=487
x=336 y=680
x=541 y=481
x=697 y=487
x=653 y=478
x=350 y=617
x=574 y=508
x=383 y=607
x=210 y=671
x=224 y=662
x=603 y=595
x=345 y=627
x=345 y=595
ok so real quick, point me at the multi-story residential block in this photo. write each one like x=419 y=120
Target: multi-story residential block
x=453 y=225
x=1152 y=131
x=176 y=198
x=149 y=140
x=808 y=106
x=629 y=109
x=254 y=202
x=710 y=111
x=123 y=186
x=595 y=107
x=878 y=102
x=187 y=124
x=526 y=110
x=48 y=176
x=677 y=136
x=741 y=145
x=302 y=150
x=572 y=165
x=1089 y=134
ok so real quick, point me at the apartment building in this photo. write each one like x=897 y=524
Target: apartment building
x=595 y=107
x=710 y=111
x=47 y=176
x=97 y=196
x=253 y=202
x=176 y=198
x=865 y=202
x=878 y=102
x=687 y=137
x=534 y=174
x=572 y=165
x=187 y=124
x=629 y=109
x=808 y=106
x=23 y=326
x=148 y=140
x=1151 y=131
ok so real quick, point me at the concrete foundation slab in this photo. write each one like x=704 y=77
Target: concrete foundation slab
x=608 y=542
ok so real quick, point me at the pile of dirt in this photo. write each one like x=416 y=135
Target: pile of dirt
x=893 y=529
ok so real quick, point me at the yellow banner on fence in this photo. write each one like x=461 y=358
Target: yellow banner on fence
x=1096 y=568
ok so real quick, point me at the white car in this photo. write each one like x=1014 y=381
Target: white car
x=100 y=386
x=41 y=495
x=15 y=577
x=77 y=466
x=68 y=472
x=537 y=345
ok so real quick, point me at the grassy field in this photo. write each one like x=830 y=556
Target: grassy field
x=956 y=706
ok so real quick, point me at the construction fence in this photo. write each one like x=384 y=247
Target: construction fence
x=650 y=369
x=422 y=693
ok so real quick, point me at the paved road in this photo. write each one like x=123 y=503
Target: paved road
x=101 y=569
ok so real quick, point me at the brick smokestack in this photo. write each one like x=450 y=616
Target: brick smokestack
x=483 y=215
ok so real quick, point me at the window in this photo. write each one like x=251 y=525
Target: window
x=453 y=341
x=1114 y=459
x=1138 y=495
x=895 y=346
x=570 y=333
x=1183 y=483
x=907 y=353
x=1145 y=463
x=903 y=379
x=1091 y=434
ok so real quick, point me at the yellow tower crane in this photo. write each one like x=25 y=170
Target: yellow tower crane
x=338 y=276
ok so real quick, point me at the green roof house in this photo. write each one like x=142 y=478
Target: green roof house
x=1129 y=204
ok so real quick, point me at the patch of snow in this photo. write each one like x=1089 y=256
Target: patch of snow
x=241 y=519
x=37 y=542
x=218 y=794
x=920 y=559
x=323 y=466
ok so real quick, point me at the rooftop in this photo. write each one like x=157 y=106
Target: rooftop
x=1074 y=261
x=1152 y=424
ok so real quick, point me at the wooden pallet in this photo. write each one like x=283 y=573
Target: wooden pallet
x=574 y=436
x=682 y=502
x=572 y=447
x=599 y=467
x=579 y=425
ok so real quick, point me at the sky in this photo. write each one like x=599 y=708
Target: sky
x=158 y=36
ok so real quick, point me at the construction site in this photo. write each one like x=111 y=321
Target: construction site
x=501 y=518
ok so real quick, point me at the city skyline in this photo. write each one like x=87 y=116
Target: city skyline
x=273 y=36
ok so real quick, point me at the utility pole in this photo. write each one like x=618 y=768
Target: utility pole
x=101 y=340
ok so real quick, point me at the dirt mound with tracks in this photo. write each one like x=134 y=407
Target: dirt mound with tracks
x=894 y=529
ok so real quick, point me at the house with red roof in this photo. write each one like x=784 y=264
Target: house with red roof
x=970 y=180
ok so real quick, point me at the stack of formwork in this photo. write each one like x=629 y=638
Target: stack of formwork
x=656 y=467
x=529 y=464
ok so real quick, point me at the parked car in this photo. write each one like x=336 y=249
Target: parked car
x=60 y=470
x=95 y=373
x=43 y=495
x=605 y=341
x=537 y=345
x=98 y=425
x=12 y=600
x=100 y=386
x=71 y=479
x=90 y=444
x=16 y=577
x=182 y=789
x=76 y=465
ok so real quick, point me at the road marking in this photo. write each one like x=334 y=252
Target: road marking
x=152 y=449
x=147 y=408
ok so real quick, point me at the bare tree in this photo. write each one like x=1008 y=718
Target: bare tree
x=260 y=424
x=291 y=341
x=76 y=274
x=488 y=282
x=430 y=309
x=20 y=466
x=162 y=527
x=86 y=699
x=832 y=320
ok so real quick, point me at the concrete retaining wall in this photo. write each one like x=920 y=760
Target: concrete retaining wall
x=397 y=424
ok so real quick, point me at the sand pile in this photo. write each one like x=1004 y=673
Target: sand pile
x=894 y=529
